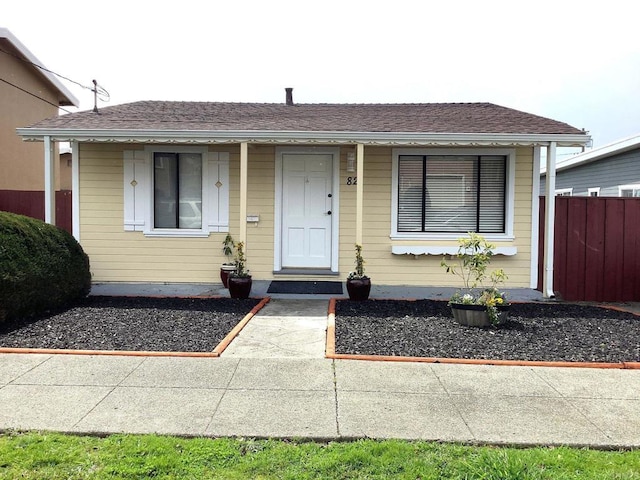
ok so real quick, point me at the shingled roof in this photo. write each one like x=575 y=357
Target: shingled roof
x=455 y=118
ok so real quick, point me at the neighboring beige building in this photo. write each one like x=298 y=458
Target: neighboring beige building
x=159 y=184
x=27 y=95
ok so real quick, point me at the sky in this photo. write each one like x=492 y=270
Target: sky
x=574 y=61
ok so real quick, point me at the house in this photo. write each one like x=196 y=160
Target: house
x=157 y=185
x=27 y=94
x=609 y=171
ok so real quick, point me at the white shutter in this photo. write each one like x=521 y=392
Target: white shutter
x=136 y=190
x=218 y=184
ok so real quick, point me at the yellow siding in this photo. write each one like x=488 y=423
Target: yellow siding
x=117 y=255
x=384 y=267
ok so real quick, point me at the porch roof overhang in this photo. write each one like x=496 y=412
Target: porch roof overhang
x=302 y=137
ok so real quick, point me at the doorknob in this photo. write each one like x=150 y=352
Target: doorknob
x=329 y=212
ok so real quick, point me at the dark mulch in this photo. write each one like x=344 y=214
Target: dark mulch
x=131 y=324
x=535 y=331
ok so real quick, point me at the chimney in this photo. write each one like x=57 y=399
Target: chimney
x=289 y=91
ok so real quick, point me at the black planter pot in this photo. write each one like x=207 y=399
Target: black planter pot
x=359 y=288
x=239 y=287
x=477 y=315
x=225 y=270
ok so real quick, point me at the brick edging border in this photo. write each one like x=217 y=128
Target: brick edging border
x=238 y=328
x=124 y=353
x=330 y=352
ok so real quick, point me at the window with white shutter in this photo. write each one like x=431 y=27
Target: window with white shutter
x=176 y=191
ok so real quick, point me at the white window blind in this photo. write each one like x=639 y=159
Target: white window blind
x=451 y=193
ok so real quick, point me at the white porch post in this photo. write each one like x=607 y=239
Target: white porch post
x=244 y=162
x=535 y=218
x=75 y=190
x=359 y=191
x=549 y=221
x=49 y=182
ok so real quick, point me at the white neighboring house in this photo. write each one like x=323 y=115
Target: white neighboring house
x=609 y=171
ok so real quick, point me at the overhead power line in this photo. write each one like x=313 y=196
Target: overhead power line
x=33 y=95
x=45 y=69
x=98 y=91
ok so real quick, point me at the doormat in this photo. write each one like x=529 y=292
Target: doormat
x=305 y=288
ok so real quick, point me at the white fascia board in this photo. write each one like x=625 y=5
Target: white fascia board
x=5 y=33
x=592 y=155
x=326 y=137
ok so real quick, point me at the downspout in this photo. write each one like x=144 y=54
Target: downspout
x=359 y=191
x=75 y=190
x=49 y=179
x=244 y=162
x=535 y=218
x=549 y=221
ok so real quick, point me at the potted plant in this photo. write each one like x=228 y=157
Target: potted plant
x=477 y=305
x=358 y=284
x=229 y=266
x=240 y=280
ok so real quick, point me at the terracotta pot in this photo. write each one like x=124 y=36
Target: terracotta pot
x=225 y=270
x=477 y=315
x=239 y=287
x=359 y=288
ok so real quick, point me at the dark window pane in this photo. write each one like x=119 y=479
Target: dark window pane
x=165 y=169
x=177 y=190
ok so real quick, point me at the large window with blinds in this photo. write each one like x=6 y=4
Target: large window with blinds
x=451 y=194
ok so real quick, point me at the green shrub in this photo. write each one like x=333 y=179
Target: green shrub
x=42 y=267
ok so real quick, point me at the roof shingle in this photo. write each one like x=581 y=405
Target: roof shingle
x=482 y=118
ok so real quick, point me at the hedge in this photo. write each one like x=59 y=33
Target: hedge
x=42 y=267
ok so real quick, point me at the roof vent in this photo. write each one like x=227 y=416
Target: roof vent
x=289 y=91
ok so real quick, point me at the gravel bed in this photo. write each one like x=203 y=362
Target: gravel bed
x=131 y=324
x=534 y=331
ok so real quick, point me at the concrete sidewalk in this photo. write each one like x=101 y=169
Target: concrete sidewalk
x=272 y=381
x=320 y=399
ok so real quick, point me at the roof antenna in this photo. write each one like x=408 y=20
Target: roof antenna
x=95 y=96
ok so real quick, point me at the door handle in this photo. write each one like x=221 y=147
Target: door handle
x=329 y=212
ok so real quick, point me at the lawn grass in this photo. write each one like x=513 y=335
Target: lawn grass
x=58 y=456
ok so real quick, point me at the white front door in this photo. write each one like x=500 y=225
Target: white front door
x=306 y=210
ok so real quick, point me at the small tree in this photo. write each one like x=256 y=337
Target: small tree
x=359 y=271
x=473 y=259
x=227 y=248
x=241 y=262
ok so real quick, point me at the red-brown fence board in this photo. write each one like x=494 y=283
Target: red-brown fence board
x=574 y=248
x=31 y=204
x=596 y=246
x=594 y=243
x=613 y=248
x=631 y=244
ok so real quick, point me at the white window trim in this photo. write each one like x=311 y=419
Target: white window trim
x=138 y=188
x=631 y=186
x=510 y=153
x=595 y=190
x=149 y=230
x=562 y=191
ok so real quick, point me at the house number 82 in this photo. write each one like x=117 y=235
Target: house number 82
x=352 y=180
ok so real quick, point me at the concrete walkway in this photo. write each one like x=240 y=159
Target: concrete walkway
x=320 y=399
x=272 y=381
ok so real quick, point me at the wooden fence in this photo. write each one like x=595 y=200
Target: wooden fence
x=31 y=203
x=596 y=249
